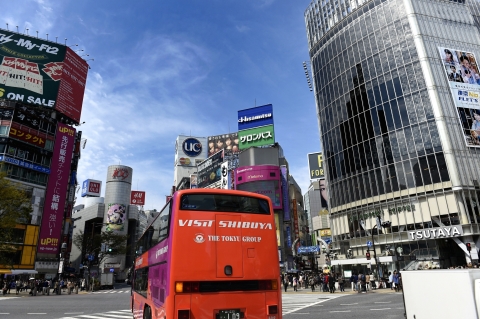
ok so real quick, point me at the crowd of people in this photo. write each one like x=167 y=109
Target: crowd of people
x=43 y=286
x=330 y=282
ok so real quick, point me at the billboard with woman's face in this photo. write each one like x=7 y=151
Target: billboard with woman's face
x=463 y=77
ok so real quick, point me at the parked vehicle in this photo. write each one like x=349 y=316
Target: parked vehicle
x=107 y=280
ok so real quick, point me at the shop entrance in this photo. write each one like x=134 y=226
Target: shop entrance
x=450 y=254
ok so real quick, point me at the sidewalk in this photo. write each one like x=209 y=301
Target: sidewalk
x=347 y=291
x=24 y=293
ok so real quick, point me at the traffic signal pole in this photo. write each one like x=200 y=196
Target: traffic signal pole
x=375 y=254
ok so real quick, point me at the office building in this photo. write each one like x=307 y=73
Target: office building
x=396 y=89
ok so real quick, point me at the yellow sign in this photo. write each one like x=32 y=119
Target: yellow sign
x=325 y=232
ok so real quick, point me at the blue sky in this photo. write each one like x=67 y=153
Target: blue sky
x=165 y=68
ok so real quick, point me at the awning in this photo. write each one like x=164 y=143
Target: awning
x=384 y=259
x=23 y=271
x=5 y=271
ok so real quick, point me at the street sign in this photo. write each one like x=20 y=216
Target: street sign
x=369 y=243
x=90 y=257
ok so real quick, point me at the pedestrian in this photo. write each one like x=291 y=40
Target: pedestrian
x=285 y=283
x=82 y=285
x=312 y=283
x=395 y=280
x=352 y=282
x=372 y=281
x=325 y=280
x=331 y=283
x=300 y=281
x=367 y=281
x=341 y=282
x=295 y=282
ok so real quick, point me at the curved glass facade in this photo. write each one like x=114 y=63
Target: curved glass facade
x=391 y=139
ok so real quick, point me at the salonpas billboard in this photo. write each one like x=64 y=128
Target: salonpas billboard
x=43 y=73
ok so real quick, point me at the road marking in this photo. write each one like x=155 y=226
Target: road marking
x=73 y=313
x=382 y=309
x=36 y=313
x=340 y=311
x=4 y=313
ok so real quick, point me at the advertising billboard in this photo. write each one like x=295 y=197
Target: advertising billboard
x=42 y=73
x=189 y=151
x=261 y=179
x=258 y=136
x=56 y=193
x=28 y=135
x=255 y=117
x=91 y=187
x=137 y=198
x=209 y=171
x=462 y=72
x=315 y=165
x=227 y=142
x=116 y=216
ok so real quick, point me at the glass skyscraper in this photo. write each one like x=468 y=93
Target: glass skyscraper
x=397 y=87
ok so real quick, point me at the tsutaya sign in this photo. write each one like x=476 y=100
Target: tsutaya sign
x=439 y=232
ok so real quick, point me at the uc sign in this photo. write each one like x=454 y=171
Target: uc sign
x=192 y=147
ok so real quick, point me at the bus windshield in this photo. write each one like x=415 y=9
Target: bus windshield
x=224 y=203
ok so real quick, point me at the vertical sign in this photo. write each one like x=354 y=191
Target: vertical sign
x=463 y=75
x=56 y=194
x=225 y=178
x=286 y=203
x=193 y=181
x=295 y=218
x=289 y=237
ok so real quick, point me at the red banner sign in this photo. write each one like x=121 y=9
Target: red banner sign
x=137 y=198
x=55 y=197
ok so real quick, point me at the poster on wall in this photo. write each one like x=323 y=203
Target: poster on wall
x=462 y=72
x=116 y=216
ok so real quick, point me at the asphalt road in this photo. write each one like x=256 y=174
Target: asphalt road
x=333 y=306
x=67 y=306
x=115 y=304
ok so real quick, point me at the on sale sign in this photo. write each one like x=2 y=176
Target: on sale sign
x=137 y=198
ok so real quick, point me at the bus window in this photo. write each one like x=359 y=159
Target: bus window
x=224 y=203
x=141 y=281
x=156 y=231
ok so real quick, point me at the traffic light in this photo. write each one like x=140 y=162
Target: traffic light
x=469 y=246
x=367 y=255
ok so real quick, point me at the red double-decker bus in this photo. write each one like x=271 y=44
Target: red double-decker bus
x=209 y=254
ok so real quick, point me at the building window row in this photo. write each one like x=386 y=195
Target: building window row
x=415 y=172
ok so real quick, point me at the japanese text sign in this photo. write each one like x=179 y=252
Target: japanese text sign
x=53 y=211
x=137 y=198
